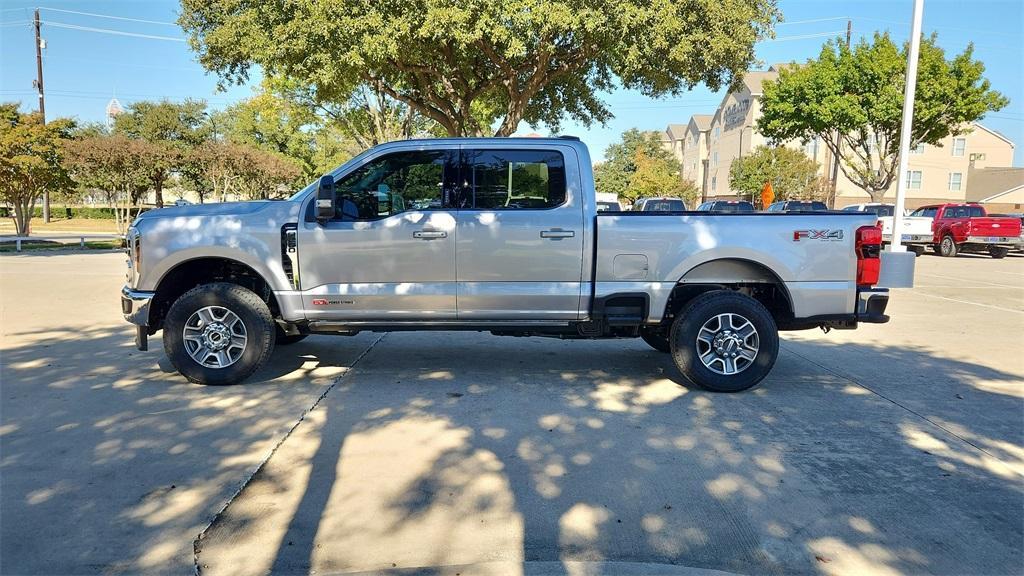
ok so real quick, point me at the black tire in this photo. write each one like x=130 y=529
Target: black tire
x=704 y=309
x=656 y=338
x=948 y=247
x=998 y=252
x=937 y=249
x=247 y=306
x=282 y=339
x=917 y=250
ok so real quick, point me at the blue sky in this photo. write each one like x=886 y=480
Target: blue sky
x=83 y=69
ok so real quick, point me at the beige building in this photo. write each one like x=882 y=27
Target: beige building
x=707 y=145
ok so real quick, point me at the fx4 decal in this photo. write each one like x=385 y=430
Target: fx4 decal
x=825 y=235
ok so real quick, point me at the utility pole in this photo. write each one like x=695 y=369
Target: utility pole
x=839 y=144
x=42 y=104
x=908 y=122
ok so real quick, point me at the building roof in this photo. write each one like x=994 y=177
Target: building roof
x=702 y=121
x=988 y=184
x=676 y=131
x=754 y=79
x=994 y=133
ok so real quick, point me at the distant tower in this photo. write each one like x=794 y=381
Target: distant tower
x=113 y=109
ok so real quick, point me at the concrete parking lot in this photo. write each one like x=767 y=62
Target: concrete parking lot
x=896 y=448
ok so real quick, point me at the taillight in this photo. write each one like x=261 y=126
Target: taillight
x=868 y=248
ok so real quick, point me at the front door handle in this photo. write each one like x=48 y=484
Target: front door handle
x=557 y=233
x=429 y=234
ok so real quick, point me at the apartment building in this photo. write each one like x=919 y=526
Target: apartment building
x=709 y=143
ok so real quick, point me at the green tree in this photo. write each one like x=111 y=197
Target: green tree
x=794 y=176
x=171 y=127
x=30 y=160
x=474 y=65
x=615 y=173
x=852 y=99
x=111 y=165
x=658 y=176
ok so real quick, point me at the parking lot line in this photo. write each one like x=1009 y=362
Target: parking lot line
x=969 y=302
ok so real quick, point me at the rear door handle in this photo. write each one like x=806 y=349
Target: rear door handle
x=429 y=234
x=557 y=233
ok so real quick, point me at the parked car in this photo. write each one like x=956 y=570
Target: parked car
x=659 y=205
x=516 y=248
x=968 y=228
x=182 y=202
x=726 y=206
x=797 y=206
x=1019 y=245
x=913 y=229
x=608 y=206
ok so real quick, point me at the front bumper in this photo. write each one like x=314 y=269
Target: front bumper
x=871 y=304
x=135 y=307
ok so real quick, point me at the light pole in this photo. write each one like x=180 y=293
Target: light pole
x=908 y=120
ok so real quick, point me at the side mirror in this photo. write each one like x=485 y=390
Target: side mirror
x=325 y=198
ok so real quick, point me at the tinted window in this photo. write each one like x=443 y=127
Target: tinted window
x=731 y=207
x=881 y=210
x=392 y=184
x=924 y=212
x=516 y=179
x=608 y=207
x=669 y=205
x=704 y=207
x=853 y=208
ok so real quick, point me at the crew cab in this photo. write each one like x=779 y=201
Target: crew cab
x=499 y=235
x=968 y=228
x=913 y=229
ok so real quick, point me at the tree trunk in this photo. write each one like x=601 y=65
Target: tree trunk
x=158 y=192
x=23 y=215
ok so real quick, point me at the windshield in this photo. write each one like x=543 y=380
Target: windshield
x=732 y=207
x=881 y=210
x=806 y=206
x=608 y=207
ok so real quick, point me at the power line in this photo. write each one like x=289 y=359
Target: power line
x=119 y=63
x=109 y=31
x=813 y=20
x=93 y=14
x=14 y=23
x=834 y=33
x=940 y=27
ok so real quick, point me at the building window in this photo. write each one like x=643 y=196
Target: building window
x=955 y=179
x=714 y=160
x=919 y=149
x=714 y=183
x=913 y=179
x=959 y=146
x=718 y=132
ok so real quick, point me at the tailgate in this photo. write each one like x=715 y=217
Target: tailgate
x=994 y=226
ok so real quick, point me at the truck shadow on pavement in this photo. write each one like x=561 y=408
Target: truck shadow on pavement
x=448 y=450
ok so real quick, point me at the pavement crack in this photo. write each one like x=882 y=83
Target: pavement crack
x=197 y=570
x=896 y=403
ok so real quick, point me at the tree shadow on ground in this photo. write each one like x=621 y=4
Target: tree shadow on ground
x=97 y=435
x=460 y=449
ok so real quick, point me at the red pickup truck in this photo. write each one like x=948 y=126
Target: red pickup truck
x=968 y=228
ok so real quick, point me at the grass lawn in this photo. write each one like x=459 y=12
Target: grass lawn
x=59 y=226
x=8 y=247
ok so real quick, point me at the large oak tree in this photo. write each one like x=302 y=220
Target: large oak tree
x=471 y=65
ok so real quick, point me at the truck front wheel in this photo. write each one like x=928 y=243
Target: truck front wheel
x=218 y=333
x=724 y=341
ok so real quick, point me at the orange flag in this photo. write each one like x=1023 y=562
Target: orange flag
x=767 y=195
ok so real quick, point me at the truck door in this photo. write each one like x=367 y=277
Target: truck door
x=389 y=253
x=520 y=234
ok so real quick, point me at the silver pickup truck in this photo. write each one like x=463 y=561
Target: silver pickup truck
x=500 y=235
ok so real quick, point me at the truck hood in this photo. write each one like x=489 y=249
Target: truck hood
x=214 y=209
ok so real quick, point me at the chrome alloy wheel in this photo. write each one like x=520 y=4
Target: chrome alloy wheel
x=214 y=337
x=727 y=344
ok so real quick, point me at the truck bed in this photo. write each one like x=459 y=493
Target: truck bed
x=811 y=253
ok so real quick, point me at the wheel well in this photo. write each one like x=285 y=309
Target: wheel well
x=744 y=276
x=192 y=273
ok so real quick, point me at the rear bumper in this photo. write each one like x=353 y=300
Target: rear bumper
x=871 y=304
x=992 y=240
x=916 y=239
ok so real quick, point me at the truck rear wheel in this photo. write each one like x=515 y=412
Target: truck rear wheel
x=724 y=341
x=998 y=252
x=656 y=337
x=948 y=247
x=218 y=333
